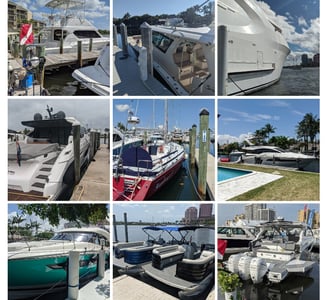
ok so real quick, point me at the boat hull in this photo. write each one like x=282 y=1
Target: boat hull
x=255 y=47
x=45 y=274
x=146 y=187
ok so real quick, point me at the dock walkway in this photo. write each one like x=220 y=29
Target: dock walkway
x=55 y=61
x=126 y=287
x=94 y=185
x=96 y=289
x=210 y=176
x=127 y=81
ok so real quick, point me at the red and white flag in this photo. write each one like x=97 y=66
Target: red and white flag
x=26 y=34
x=222 y=245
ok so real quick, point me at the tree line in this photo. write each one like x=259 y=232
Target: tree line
x=195 y=16
x=306 y=132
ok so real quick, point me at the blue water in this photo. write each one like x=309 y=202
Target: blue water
x=227 y=173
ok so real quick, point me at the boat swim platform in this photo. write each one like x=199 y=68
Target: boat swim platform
x=94 y=185
x=96 y=289
x=56 y=61
x=127 y=80
x=231 y=188
x=14 y=195
x=128 y=287
x=211 y=174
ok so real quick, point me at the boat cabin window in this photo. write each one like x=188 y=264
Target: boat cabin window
x=52 y=134
x=86 y=237
x=86 y=34
x=161 y=41
x=58 y=34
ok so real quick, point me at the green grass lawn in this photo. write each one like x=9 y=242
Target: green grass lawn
x=294 y=185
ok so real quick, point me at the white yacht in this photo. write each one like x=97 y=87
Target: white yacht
x=251 y=47
x=184 y=58
x=280 y=248
x=96 y=77
x=272 y=155
x=42 y=165
x=68 y=22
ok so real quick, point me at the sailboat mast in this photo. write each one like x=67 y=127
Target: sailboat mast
x=166 y=121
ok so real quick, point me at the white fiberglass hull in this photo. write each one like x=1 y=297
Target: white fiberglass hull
x=255 y=47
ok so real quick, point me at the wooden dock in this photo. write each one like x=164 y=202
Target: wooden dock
x=127 y=80
x=55 y=61
x=94 y=185
x=210 y=176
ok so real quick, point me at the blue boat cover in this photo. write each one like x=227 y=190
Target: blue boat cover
x=137 y=157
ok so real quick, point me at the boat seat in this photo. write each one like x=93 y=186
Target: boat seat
x=182 y=59
x=167 y=255
x=139 y=254
x=121 y=247
x=191 y=251
x=196 y=269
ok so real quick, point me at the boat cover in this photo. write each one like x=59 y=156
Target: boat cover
x=29 y=151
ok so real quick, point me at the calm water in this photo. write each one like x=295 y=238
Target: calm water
x=303 y=82
x=61 y=83
x=135 y=233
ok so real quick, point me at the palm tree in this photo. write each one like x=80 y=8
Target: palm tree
x=308 y=128
x=268 y=128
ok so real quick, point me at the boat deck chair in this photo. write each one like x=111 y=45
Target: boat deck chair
x=166 y=256
x=196 y=269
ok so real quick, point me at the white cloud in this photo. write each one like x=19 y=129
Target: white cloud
x=307 y=40
x=228 y=139
x=122 y=107
x=302 y=22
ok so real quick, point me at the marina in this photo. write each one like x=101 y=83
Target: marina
x=141 y=168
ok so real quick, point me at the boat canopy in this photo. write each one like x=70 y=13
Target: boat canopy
x=64 y=4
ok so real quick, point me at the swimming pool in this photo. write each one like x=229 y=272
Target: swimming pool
x=228 y=173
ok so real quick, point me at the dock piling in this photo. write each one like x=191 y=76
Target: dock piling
x=79 y=54
x=115 y=228
x=146 y=37
x=73 y=275
x=114 y=35
x=126 y=227
x=193 y=144
x=124 y=37
x=222 y=60
x=101 y=263
x=203 y=151
x=76 y=146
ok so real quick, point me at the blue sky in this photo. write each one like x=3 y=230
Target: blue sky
x=300 y=24
x=152 y=212
x=96 y=11
x=181 y=113
x=287 y=211
x=239 y=117
x=151 y=7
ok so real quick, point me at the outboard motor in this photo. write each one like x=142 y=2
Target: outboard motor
x=258 y=269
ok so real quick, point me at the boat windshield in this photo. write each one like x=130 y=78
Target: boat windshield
x=86 y=237
x=161 y=41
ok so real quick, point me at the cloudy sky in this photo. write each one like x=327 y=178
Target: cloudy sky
x=92 y=113
x=96 y=11
x=300 y=24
